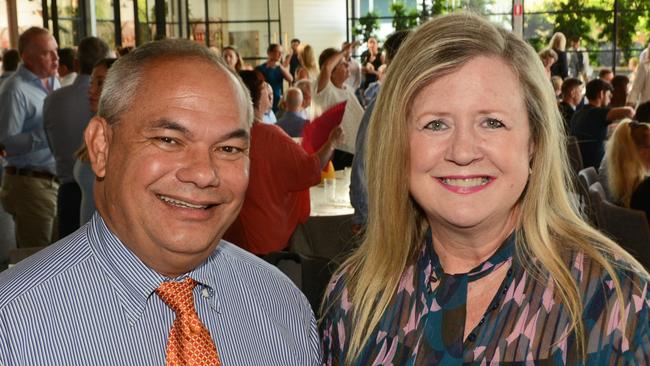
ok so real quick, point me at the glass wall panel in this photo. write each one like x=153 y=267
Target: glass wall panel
x=127 y=23
x=146 y=20
x=196 y=22
x=172 y=18
x=30 y=14
x=70 y=22
x=105 y=16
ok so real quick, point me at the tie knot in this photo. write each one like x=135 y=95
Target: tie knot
x=178 y=295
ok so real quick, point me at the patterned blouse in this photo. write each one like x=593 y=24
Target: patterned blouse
x=524 y=324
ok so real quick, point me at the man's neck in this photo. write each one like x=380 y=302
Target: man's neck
x=270 y=63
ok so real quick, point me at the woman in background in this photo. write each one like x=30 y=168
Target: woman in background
x=474 y=252
x=628 y=163
x=308 y=65
x=558 y=44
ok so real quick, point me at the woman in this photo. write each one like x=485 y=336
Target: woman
x=628 y=164
x=371 y=61
x=281 y=172
x=308 y=65
x=619 y=95
x=558 y=44
x=233 y=59
x=549 y=58
x=83 y=172
x=479 y=256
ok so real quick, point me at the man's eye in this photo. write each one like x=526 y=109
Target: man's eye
x=436 y=125
x=493 y=123
x=167 y=140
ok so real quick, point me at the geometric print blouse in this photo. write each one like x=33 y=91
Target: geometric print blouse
x=525 y=324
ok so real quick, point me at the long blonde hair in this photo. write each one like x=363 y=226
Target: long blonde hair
x=549 y=224
x=625 y=170
x=307 y=60
x=558 y=41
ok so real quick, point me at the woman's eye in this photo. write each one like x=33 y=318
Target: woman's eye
x=493 y=123
x=436 y=125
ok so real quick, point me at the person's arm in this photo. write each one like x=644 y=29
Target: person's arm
x=325 y=152
x=285 y=73
x=638 y=85
x=620 y=113
x=328 y=68
x=12 y=116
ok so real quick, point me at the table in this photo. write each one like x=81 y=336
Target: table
x=322 y=206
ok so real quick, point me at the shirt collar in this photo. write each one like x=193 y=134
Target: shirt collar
x=132 y=280
x=29 y=76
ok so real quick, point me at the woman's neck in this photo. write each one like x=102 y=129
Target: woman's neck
x=461 y=250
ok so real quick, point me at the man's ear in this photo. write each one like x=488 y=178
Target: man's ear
x=97 y=137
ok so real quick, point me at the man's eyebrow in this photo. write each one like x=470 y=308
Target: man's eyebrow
x=239 y=133
x=166 y=124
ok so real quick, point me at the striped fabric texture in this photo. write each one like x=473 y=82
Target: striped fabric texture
x=88 y=300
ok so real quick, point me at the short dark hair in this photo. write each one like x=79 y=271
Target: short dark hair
x=604 y=72
x=594 y=87
x=643 y=112
x=393 y=42
x=272 y=47
x=620 y=81
x=27 y=36
x=66 y=58
x=326 y=55
x=253 y=80
x=295 y=40
x=10 y=59
x=91 y=50
x=569 y=84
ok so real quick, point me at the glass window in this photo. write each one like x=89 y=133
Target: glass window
x=4 y=26
x=105 y=17
x=30 y=14
x=70 y=22
x=146 y=21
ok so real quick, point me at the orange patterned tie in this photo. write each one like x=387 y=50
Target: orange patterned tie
x=189 y=341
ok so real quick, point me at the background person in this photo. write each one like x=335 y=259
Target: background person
x=275 y=72
x=482 y=257
x=628 y=165
x=558 y=44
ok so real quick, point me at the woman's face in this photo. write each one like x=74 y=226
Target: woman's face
x=470 y=146
x=96 y=84
x=231 y=57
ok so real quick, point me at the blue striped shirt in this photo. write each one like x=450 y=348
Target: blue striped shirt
x=88 y=300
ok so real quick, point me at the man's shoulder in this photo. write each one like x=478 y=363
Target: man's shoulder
x=248 y=266
x=55 y=261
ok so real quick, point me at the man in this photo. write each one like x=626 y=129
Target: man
x=29 y=187
x=358 y=184
x=67 y=71
x=354 y=68
x=66 y=113
x=640 y=92
x=332 y=90
x=293 y=57
x=590 y=124
x=10 y=61
x=606 y=75
x=170 y=155
x=305 y=87
x=571 y=97
x=291 y=121
x=275 y=72
x=578 y=60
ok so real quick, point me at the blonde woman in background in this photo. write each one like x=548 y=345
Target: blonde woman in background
x=558 y=44
x=474 y=253
x=308 y=64
x=549 y=58
x=628 y=163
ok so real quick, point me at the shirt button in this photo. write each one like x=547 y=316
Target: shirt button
x=471 y=337
x=205 y=293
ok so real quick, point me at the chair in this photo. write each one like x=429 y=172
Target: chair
x=310 y=274
x=327 y=237
x=629 y=228
x=588 y=175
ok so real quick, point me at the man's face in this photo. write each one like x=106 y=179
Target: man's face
x=40 y=56
x=174 y=170
x=294 y=46
x=276 y=54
